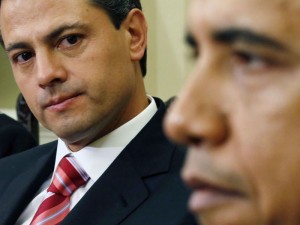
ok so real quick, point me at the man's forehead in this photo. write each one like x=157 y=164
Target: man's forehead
x=20 y=19
x=275 y=20
x=280 y=4
x=241 y=12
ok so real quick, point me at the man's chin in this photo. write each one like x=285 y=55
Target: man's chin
x=237 y=214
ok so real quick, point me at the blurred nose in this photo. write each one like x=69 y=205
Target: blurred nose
x=50 y=70
x=196 y=117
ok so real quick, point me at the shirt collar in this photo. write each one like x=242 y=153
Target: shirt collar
x=96 y=157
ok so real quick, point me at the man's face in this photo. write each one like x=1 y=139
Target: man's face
x=77 y=72
x=239 y=113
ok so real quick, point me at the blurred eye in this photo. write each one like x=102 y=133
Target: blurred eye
x=69 y=41
x=191 y=42
x=23 y=57
x=251 y=60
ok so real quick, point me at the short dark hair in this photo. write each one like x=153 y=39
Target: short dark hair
x=117 y=10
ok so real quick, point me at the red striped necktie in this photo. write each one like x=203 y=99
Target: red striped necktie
x=67 y=178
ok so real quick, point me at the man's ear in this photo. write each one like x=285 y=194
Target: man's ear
x=136 y=25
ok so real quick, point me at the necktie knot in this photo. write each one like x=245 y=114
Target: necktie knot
x=67 y=177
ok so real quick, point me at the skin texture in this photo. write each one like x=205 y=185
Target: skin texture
x=79 y=75
x=239 y=112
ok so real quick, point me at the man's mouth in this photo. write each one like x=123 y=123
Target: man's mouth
x=61 y=103
x=206 y=196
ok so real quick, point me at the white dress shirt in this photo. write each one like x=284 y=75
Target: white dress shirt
x=94 y=158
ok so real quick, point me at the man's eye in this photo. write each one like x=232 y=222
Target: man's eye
x=249 y=59
x=69 y=41
x=193 y=46
x=23 y=57
x=72 y=39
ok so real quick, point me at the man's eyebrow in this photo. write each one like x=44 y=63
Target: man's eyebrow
x=59 y=30
x=49 y=37
x=19 y=45
x=232 y=36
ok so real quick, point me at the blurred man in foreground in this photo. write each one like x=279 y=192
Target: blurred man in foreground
x=239 y=113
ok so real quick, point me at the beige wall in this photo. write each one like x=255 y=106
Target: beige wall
x=167 y=64
x=167 y=61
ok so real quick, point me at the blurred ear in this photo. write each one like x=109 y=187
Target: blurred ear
x=136 y=25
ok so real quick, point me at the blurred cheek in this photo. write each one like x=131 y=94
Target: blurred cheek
x=271 y=164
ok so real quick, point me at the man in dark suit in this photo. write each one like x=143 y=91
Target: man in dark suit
x=80 y=67
x=14 y=137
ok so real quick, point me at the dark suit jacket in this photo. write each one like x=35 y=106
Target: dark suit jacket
x=14 y=137
x=141 y=187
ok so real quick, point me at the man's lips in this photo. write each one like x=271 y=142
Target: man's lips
x=207 y=195
x=60 y=102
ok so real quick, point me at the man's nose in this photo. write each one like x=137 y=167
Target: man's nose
x=196 y=117
x=50 y=69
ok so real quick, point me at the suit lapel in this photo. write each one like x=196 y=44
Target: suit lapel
x=23 y=187
x=117 y=193
x=122 y=188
